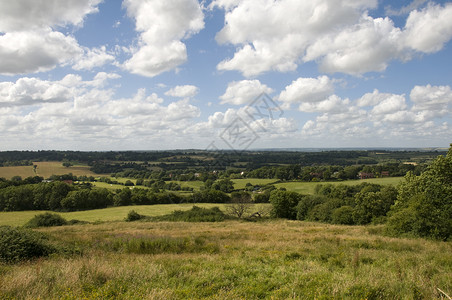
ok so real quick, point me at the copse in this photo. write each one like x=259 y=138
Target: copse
x=424 y=203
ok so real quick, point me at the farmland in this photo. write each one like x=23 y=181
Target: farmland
x=45 y=169
x=276 y=259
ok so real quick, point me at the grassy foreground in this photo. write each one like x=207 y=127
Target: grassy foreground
x=232 y=260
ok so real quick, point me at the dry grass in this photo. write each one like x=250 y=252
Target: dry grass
x=45 y=169
x=274 y=259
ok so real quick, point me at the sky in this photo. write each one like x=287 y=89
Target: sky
x=96 y=75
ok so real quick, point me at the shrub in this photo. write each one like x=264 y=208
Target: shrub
x=343 y=215
x=196 y=214
x=46 y=220
x=18 y=244
x=133 y=216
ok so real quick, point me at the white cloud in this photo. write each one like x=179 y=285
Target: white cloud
x=366 y=46
x=307 y=90
x=32 y=91
x=337 y=34
x=432 y=101
x=162 y=25
x=30 y=42
x=29 y=52
x=391 y=104
x=93 y=58
x=23 y=15
x=429 y=29
x=183 y=91
x=243 y=92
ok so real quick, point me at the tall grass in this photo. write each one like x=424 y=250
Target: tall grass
x=233 y=260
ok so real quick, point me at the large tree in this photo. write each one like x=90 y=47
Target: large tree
x=424 y=203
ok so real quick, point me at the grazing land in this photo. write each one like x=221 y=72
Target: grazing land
x=19 y=218
x=307 y=188
x=276 y=259
x=45 y=169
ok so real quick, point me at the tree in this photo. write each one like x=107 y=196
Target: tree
x=67 y=164
x=424 y=203
x=240 y=204
x=284 y=204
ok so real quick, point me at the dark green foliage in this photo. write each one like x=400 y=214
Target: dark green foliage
x=424 y=203
x=284 y=204
x=343 y=215
x=18 y=244
x=196 y=214
x=372 y=204
x=133 y=216
x=46 y=220
x=307 y=203
x=224 y=185
x=210 y=196
x=323 y=212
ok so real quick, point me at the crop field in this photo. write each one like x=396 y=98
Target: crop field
x=274 y=259
x=19 y=218
x=45 y=169
x=307 y=188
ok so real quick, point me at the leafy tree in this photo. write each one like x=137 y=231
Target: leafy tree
x=224 y=185
x=284 y=204
x=424 y=203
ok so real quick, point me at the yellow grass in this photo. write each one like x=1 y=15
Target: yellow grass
x=45 y=169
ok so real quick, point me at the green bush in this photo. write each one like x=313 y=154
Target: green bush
x=196 y=214
x=133 y=216
x=343 y=215
x=46 y=220
x=18 y=244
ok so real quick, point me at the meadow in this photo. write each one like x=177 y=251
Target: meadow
x=308 y=188
x=19 y=218
x=46 y=169
x=274 y=259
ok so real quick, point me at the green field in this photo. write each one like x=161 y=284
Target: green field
x=308 y=188
x=275 y=259
x=18 y=218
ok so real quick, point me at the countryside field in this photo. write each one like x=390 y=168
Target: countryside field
x=19 y=218
x=45 y=169
x=307 y=188
x=275 y=259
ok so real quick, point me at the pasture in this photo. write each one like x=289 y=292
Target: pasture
x=45 y=169
x=307 y=188
x=19 y=218
x=275 y=259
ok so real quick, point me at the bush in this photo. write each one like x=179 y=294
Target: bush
x=196 y=214
x=18 y=244
x=343 y=215
x=133 y=216
x=46 y=220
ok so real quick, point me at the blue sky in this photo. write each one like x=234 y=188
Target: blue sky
x=159 y=74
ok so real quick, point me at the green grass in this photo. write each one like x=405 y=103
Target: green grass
x=307 y=188
x=19 y=218
x=232 y=260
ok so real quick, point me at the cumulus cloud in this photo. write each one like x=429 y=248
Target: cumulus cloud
x=162 y=25
x=243 y=92
x=22 y=15
x=30 y=42
x=29 y=52
x=93 y=58
x=183 y=91
x=307 y=90
x=339 y=35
